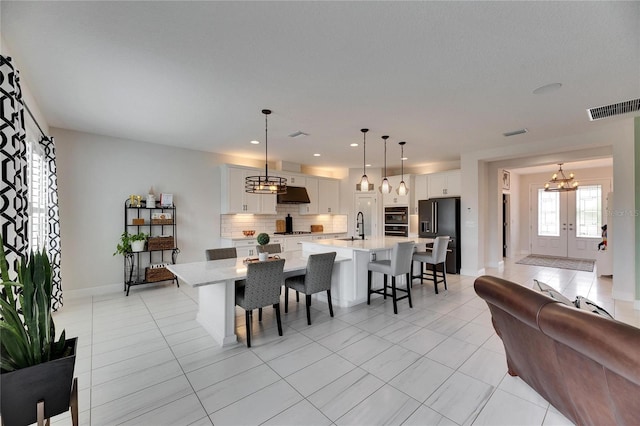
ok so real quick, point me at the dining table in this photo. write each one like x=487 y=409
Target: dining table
x=215 y=280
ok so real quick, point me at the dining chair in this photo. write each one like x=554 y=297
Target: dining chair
x=432 y=259
x=221 y=253
x=262 y=288
x=398 y=264
x=317 y=278
x=269 y=248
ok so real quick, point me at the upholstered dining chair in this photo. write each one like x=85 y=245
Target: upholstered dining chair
x=434 y=258
x=269 y=248
x=221 y=253
x=398 y=264
x=316 y=279
x=261 y=288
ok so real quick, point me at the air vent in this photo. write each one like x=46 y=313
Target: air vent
x=515 y=132
x=613 y=109
x=298 y=134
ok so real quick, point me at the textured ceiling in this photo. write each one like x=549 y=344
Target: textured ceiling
x=446 y=77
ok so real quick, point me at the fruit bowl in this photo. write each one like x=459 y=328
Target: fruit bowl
x=249 y=233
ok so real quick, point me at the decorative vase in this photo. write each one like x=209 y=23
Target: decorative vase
x=263 y=256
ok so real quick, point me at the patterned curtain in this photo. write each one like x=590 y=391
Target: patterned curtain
x=53 y=220
x=13 y=160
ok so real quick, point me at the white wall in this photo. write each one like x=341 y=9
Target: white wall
x=96 y=174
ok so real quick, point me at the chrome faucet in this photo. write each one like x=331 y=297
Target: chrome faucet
x=360 y=224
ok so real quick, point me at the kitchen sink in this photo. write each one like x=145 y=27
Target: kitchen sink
x=349 y=239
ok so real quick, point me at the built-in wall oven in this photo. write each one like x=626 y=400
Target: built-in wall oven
x=396 y=221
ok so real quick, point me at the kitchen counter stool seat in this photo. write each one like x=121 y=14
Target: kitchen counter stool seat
x=399 y=264
x=434 y=258
x=260 y=289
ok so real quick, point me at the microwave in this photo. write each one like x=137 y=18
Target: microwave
x=396 y=215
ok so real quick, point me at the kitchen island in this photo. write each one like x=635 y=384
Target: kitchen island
x=349 y=280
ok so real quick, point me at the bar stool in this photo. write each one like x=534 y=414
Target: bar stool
x=399 y=264
x=437 y=256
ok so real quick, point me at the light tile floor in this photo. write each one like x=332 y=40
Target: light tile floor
x=144 y=360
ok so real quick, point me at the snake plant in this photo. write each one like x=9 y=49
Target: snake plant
x=27 y=329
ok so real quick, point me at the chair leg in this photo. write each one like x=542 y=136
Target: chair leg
x=247 y=318
x=286 y=299
x=393 y=293
x=297 y=296
x=409 y=291
x=73 y=402
x=435 y=277
x=368 y=287
x=385 y=286
x=39 y=413
x=330 y=303
x=277 y=308
x=259 y=314
x=421 y=273
x=308 y=297
x=444 y=275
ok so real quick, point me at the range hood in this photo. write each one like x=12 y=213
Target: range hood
x=294 y=195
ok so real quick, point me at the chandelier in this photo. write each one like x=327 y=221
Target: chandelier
x=265 y=184
x=364 y=185
x=560 y=182
x=403 y=189
x=385 y=186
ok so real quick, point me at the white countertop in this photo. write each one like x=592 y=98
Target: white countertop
x=275 y=236
x=371 y=244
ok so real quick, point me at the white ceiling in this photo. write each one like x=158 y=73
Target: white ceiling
x=444 y=76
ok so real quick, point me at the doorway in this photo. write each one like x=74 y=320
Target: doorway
x=567 y=224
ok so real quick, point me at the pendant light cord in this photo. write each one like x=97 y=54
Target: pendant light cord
x=266 y=113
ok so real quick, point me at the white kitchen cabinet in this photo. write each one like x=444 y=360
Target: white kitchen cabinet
x=292 y=180
x=246 y=247
x=420 y=191
x=295 y=243
x=236 y=200
x=328 y=196
x=312 y=190
x=445 y=184
x=393 y=199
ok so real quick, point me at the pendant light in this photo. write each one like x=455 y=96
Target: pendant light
x=403 y=189
x=385 y=186
x=561 y=183
x=364 y=185
x=265 y=184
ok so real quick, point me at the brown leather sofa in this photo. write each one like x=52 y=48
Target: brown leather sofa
x=585 y=365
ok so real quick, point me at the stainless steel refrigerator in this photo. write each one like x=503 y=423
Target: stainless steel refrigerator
x=441 y=216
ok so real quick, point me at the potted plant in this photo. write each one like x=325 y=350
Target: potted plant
x=262 y=239
x=34 y=367
x=131 y=243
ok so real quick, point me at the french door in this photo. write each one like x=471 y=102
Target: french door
x=568 y=224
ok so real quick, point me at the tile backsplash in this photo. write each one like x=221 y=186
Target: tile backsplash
x=232 y=225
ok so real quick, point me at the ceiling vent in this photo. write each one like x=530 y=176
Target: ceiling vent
x=515 y=132
x=298 y=134
x=613 y=109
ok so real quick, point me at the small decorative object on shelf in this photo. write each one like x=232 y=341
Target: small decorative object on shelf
x=166 y=200
x=158 y=226
x=151 y=199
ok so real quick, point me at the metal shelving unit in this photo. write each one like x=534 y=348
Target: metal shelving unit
x=161 y=247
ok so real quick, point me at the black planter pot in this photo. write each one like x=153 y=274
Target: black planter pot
x=50 y=381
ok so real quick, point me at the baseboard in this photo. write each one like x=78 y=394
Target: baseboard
x=472 y=273
x=93 y=291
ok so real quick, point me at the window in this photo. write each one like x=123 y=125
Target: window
x=37 y=182
x=548 y=213
x=589 y=211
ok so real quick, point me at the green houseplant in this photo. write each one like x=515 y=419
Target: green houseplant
x=34 y=366
x=262 y=238
x=128 y=243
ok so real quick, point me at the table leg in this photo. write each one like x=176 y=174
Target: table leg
x=216 y=311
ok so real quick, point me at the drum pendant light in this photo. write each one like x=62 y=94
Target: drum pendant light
x=265 y=184
x=364 y=185
x=403 y=189
x=385 y=186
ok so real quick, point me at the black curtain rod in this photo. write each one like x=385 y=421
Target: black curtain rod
x=34 y=119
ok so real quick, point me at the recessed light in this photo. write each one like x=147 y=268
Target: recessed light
x=255 y=142
x=547 y=88
x=367 y=165
x=404 y=159
x=354 y=144
x=316 y=155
